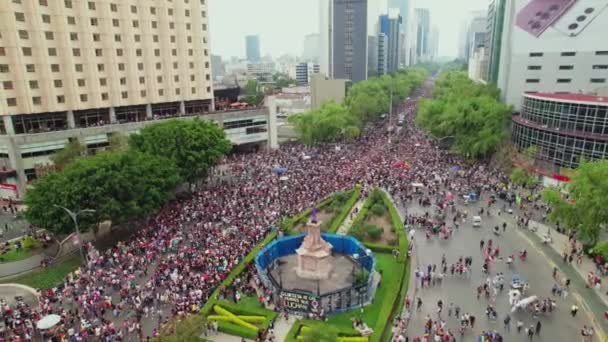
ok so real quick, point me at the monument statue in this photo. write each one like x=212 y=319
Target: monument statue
x=314 y=255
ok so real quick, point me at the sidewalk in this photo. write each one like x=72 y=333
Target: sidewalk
x=345 y=227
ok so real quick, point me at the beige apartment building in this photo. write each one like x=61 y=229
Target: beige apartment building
x=86 y=69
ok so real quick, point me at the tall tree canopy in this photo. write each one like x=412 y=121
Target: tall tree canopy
x=119 y=186
x=586 y=208
x=468 y=112
x=193 y=145
x=72 y=151
x=330 y=123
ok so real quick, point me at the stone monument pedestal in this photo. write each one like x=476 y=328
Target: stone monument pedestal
x=314 y=255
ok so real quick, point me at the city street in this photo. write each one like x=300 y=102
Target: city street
x=556 y=326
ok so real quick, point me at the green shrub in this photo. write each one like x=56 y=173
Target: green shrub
x=393 y=242
x=378 y=209
x=28 y=242
x=237 y=330
x=358 y=232
x=337 y=220
x=601 y=248
x=374 y=232
x=376 y=196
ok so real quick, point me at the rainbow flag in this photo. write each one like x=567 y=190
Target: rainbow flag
x=481 y=338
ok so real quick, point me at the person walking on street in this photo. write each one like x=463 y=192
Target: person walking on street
x=507 y=322
x=538 y=326
x=573 y=310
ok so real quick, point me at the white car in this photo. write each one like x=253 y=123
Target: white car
x=476 y=221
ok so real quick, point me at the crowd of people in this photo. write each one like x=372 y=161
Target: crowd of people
x=179 y=256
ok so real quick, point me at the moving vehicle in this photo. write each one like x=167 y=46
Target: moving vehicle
x=476 y=221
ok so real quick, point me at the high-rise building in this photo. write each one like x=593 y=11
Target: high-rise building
x=310 y=52
x=434 y=43
x=218 y=68
x=423 y=32
x=404 y=39
x=86 y=70
x=570 y=56
x=476 y=33
x=494 y=27
x=252 y=44
x=344 y=39
x=382 y=54
x=390 y=25
x=372 y=56
x=303 y=72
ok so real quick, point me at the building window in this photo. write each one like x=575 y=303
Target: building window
x=123 y=80
x=137 y=38
x=566 y=67
x=600 y=66
x=98 y=52
x=532 y=80
x=23 y=34
x=4 y=68
x=139 y=53
x=49 y=35
x=119 y=52
x=174 y=52
x=84 y=97
x=193 y=89
x=177 y=91
x=7 y=85
x=76 y=52
x=193 y=78
x=94 y=22
x=135 y=23
x=60 y=99
x=73 y=36
x=68 y=3
x=37 y=100
x=58 y=83
x=113 y=8
x=52 y=52
x=536 y=54
x=71 y=21
x=172 y=25
x=159 y=66
x=161 y=92
x=55 y=67
x=81 y=82
x=208 y=89
x=159 y=79
x=175 y=65
x=124 y=94
x=564 y=80
x=33 y=84
x=598 y=80
x=601 y=53
x=142 y=93
x=568 y=54
x=176 y=78
x=142 y=80
x=78 y=67
x=155 y=38
x=133 y=9
x=91 y=5
x=19 y=16
x=30 y=68
x=157 y=52
x=152 y=10
x=46 y=18
x=100 y=67
x=11 y=102
x=103 y=82
x=27 y=51
x=115 y=22
x=154 y=24
x=104 y=96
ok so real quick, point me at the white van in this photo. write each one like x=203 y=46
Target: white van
x=476 y=221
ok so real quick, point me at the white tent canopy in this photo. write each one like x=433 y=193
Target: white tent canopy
x=48 y=322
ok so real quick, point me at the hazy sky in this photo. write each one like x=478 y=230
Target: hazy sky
x=282 y=24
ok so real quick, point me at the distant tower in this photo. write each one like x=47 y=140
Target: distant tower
x=253 y=48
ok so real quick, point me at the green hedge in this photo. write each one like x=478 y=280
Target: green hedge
x=358 y=221
x=397 y=223
x=237 y=309
x=337 y=220
x=378 y=248
x=294 y=331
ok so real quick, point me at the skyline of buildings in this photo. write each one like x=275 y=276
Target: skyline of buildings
x=252 y=46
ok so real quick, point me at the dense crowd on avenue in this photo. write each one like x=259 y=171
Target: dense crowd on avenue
x=174 y=262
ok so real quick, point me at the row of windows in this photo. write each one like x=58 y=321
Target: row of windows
x=558 y=149
x=113 y=7
x=20 y=17
x=566 y=80
x=4 y=68
x=37 y=100
x=50 y=35
x=81 y=82
x=77 y=52
x=570 y=67
x=568 y=53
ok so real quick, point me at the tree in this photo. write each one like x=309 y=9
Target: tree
x=466 y=111
x=193 y=145
x=118 y=142
x=253 y=95
x=72 y=151
x=585 y=207
x=330 y=123
x=523 y=177
x=119 y=186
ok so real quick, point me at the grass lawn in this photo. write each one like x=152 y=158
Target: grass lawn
x=48 y=277
x=386 y=295
x=15 y=254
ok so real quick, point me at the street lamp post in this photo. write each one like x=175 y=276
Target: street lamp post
x=280 y=171
x=74 y=217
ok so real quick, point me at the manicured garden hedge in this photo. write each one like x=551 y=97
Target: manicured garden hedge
x=296 y=328
x=238 y=309
x=397 y=224
x=362 y=213
x=337 y=220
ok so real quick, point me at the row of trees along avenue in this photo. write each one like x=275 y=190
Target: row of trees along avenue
x=365 y=101
x=467 y=112
x=131 y=180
